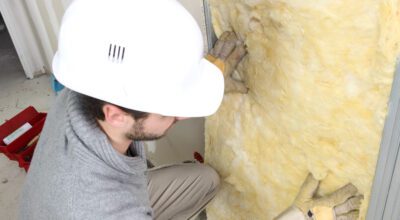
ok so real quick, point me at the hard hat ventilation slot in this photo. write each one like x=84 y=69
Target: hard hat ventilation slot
x=116 y=53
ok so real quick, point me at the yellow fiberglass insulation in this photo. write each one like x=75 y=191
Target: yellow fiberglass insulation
x=319 y=73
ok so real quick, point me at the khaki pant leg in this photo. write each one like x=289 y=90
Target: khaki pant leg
x=181 y=191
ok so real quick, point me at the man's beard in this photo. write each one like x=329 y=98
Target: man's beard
x=138 y=134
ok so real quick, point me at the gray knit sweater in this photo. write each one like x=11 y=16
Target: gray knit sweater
x=76 y=173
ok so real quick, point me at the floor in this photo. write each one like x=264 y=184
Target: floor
x=17 y=92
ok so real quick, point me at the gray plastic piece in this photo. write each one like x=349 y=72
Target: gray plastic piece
x=211 y=37
x=385 y=195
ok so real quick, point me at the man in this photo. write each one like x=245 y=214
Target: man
x=131 y=70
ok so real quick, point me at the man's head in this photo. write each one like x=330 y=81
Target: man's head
x=126 y=123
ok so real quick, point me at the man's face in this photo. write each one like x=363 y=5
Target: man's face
x=152 y=127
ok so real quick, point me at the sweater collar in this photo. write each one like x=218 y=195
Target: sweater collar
x=96 y=141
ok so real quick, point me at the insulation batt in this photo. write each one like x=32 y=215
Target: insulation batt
x=320 y=74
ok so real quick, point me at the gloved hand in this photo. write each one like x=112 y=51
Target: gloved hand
x=226 y=55
x=343 y=204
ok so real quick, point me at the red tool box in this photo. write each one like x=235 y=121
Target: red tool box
x=22 y=148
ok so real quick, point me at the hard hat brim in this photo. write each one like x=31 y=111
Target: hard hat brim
x=205 y=97
x=201 y=97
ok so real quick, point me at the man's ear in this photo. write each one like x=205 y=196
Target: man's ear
x=115 y=116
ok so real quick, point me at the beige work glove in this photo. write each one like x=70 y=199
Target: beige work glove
x=226 y=55
x=343 y=204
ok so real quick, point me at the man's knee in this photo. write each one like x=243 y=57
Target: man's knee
x=210 y=177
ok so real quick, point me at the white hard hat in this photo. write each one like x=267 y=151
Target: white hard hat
x=145 y=55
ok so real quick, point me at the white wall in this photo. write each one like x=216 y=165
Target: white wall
x=186 y=136
x=24 y=36
x=46 y=17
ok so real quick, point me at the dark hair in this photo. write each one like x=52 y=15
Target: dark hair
x=94 y=107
